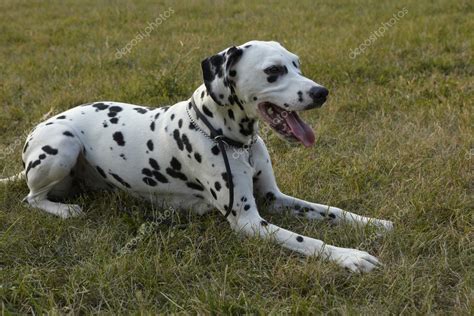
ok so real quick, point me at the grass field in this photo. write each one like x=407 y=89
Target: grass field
x=394 y=141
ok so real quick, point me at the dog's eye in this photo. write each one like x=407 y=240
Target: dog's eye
x=273 y=70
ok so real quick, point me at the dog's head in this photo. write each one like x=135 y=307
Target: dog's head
x=264 y=80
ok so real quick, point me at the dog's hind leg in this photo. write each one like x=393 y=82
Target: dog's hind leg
x=49 y=161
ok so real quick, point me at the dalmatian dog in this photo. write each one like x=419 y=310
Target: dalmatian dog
x=166 y=154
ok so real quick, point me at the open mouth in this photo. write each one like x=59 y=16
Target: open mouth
x=286 y=123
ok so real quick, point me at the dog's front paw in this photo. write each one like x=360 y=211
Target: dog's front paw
x=354 y=260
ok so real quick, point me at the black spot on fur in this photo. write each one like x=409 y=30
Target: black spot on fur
x=247 y=207
x=180 y=123
x=214 y=195
x=100 y=106
x=225 y=177
x=62 y=117
x=246 y=126
x=300 y=96
x=147 y=172
x=178 y=140
x=141 y=110
x=332 y=215
x=186 y=143
x=299 y=239
x=197 y=156
x=152 y=126
x=150 y=182
x=218 y=186
x=160 y=177
x=176 y=174
x=231 y=114
x=69 y=134
x=32 y=164
x=42 y=156
x=120 y=180
x=101 y=172
x=264 y=223
x=172 y=116
x=207 y=111
x=150 y=145
x=215 y=150
x=114 y=120
x=49 y=150
x=115 y=109
x=175 y=164
x=154 y=164
x=195 y=186
x=118 y=137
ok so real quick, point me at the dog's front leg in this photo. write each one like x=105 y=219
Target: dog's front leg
x=245 y=218
x=250 y=223
x=280 y=202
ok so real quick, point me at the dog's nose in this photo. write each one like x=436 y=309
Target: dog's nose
x=318 y=93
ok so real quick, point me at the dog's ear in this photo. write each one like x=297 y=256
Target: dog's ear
x=219 y=77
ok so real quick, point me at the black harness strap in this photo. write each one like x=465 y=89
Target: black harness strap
x=221 y=141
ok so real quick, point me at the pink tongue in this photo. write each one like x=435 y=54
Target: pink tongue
x=300 y=129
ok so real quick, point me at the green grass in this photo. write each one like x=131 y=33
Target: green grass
x=394 y=141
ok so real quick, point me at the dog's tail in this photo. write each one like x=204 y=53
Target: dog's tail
x=17 y=177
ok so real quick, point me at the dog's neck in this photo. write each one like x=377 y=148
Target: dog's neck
x=231 y=120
